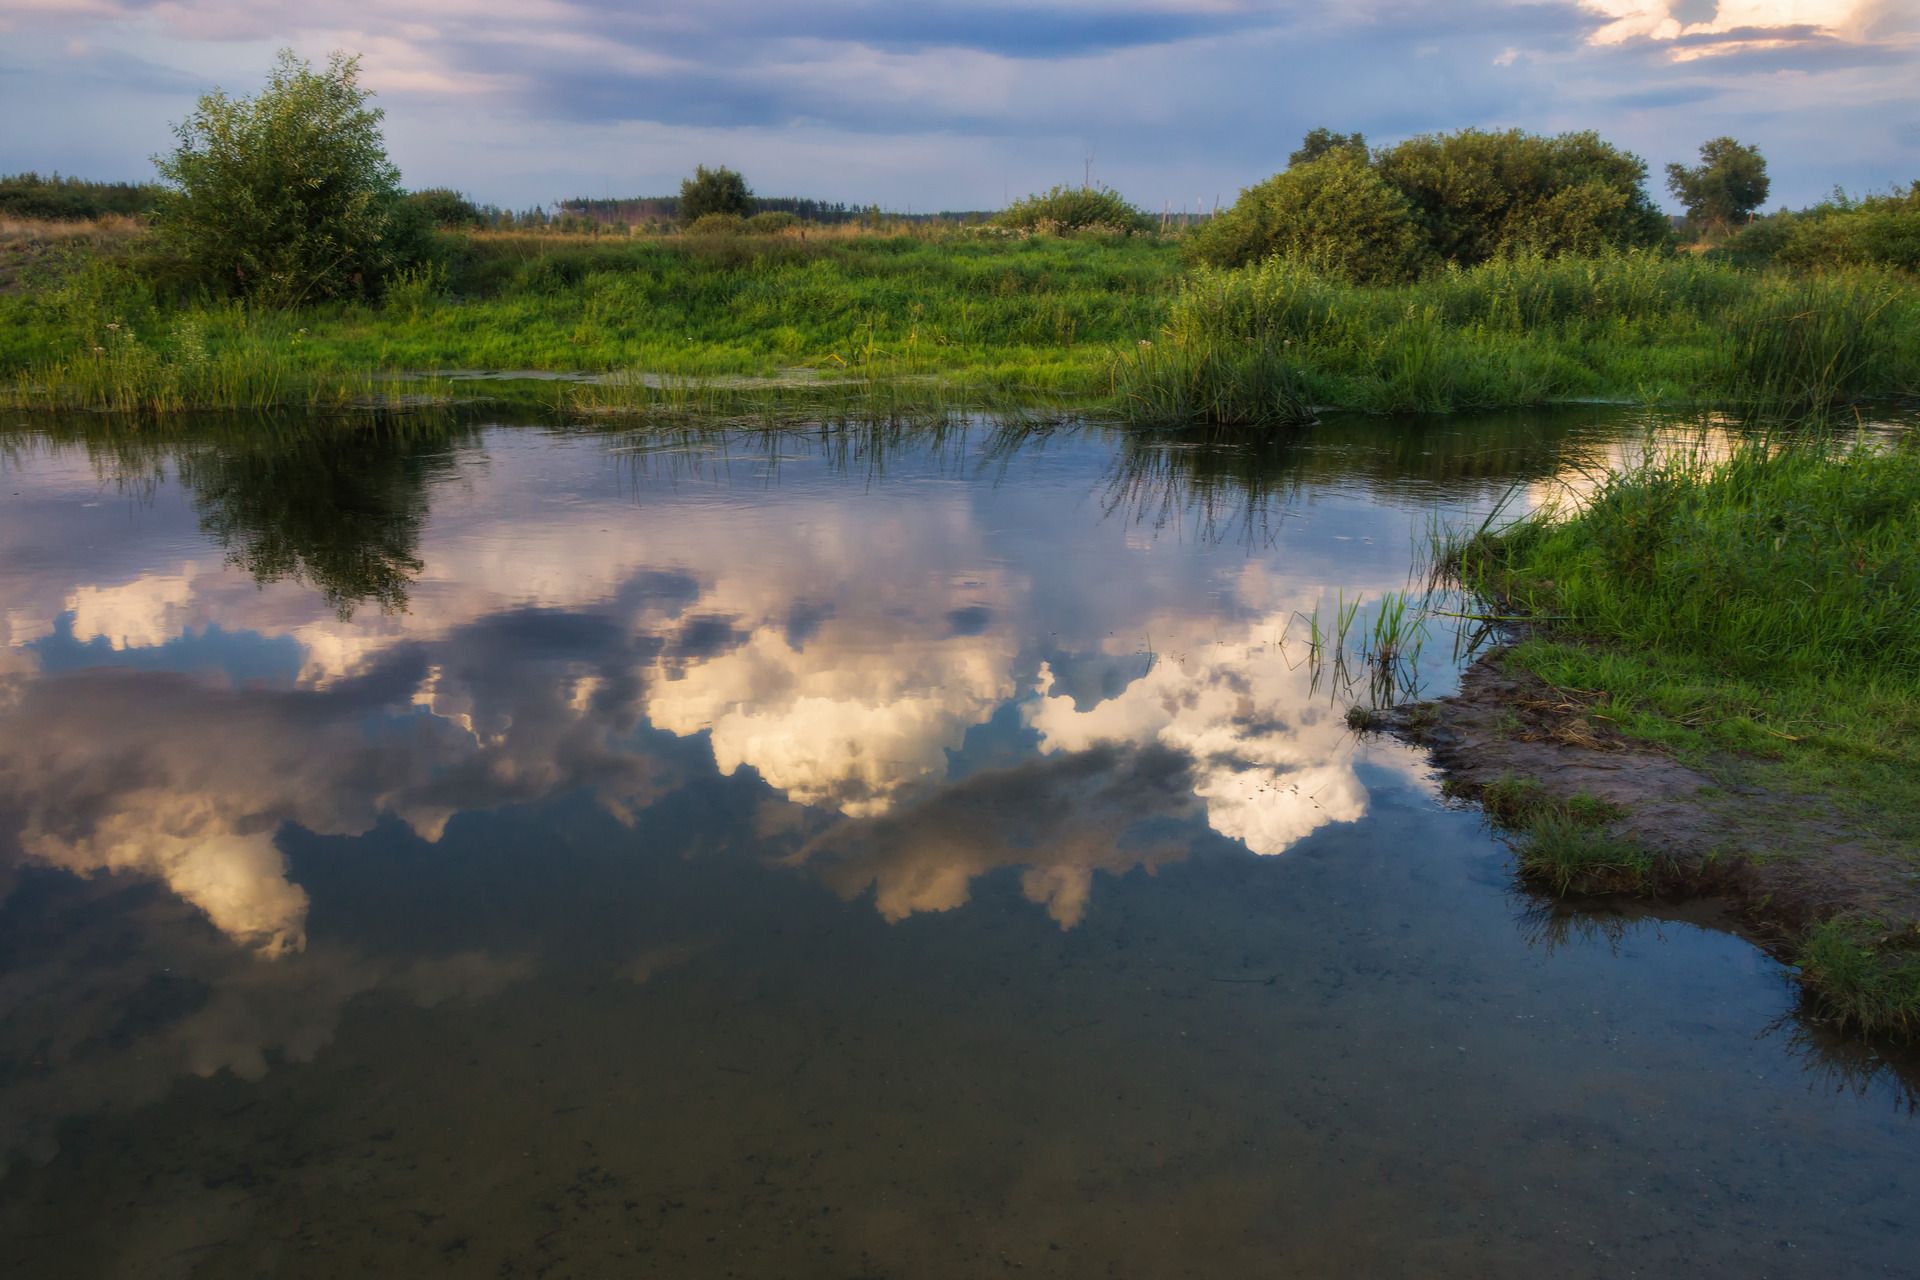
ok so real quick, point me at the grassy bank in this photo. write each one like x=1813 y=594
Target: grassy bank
x=1644 y=328
x=1758 y=618
x=960 y=317
x=1034 y=315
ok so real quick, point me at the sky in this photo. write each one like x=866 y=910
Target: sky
x=960 y=104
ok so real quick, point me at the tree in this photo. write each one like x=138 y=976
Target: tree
x=1335 y=213
x=1728 y=184
x=1319 y=142
x=714 y=191
x=286 y=196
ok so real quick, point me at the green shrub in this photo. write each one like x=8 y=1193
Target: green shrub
x=287 y=196
x=717 y=224
x=1477 y=195
x=445 y=208
x=1334 y=213
x=1074 y=209
x=720 y=190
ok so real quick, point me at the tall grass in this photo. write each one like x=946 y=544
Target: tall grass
x=1640 y=327
x=1222 y=383
x=1050 y=318
x=1775 y=562
x=1757 y=614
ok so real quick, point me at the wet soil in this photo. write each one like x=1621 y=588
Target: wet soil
x=1781 y=861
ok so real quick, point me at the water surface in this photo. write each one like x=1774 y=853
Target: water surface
x=518 y=851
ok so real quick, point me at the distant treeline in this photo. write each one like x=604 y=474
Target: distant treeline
x=640 y=210
x=28 y=195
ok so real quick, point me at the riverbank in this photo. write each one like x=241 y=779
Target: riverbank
x=1113 y=326
x=1716 y=691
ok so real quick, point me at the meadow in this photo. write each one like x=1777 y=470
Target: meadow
x=1116 y=326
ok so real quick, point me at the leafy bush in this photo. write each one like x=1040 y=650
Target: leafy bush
x=772 y=221
x=445 y=207
x=1477 y=195
x=720 y=190
x=287 y=196
x=1879 y=231
x=1334 y=213
x=1461 y=199
x=1074 y=209
x=717 y=224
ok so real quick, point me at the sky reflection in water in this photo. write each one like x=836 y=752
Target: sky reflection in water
x=429 y=723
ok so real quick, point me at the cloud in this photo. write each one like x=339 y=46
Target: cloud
x=1059 y=820
x=953 y=104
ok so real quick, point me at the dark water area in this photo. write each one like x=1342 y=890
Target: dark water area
x=514 y=851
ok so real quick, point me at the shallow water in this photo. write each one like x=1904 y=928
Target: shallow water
x=516 y=851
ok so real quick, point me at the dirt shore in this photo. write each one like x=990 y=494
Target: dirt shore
x=1780 y=862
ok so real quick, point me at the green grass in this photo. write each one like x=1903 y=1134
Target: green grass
x=1108 y=324
x=1563 y=843
x=1639 y=327
x=1758 y=616
x=1865 y=974
x=1033 y=316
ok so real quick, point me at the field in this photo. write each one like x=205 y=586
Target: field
x=969 y=317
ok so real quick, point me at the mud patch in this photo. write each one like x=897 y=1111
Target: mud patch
x=1781 y=861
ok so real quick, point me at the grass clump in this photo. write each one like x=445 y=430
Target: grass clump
x=1864 y=975
x=1177 y=383
x=1756 y=613
x=1564 y=843
x=1569 y=855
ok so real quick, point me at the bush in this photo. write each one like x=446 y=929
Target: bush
x=714 y=191
x=445 y=207
x=717 y=224
x=1334 y=213
x=1478 y=195
x=772 y=222
x=1880 y=231
x=1074 y=209
x=287 y=196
